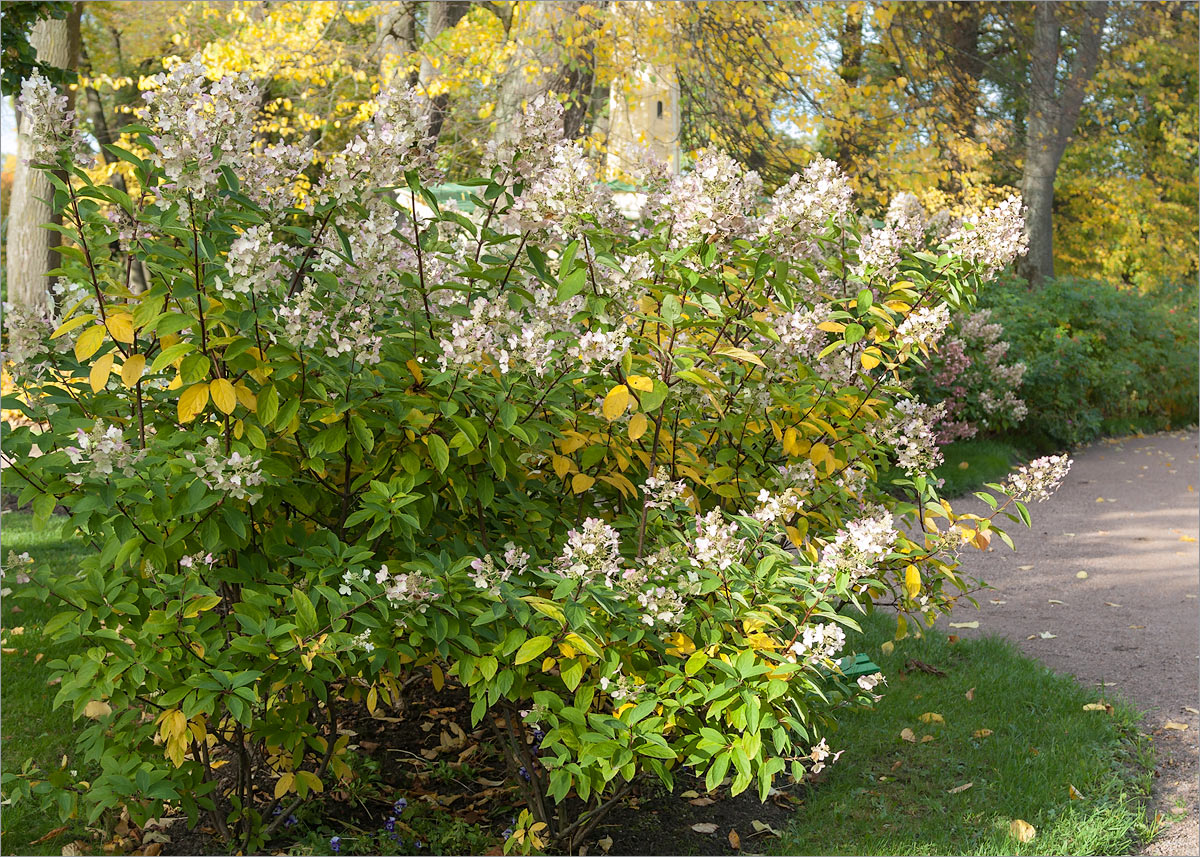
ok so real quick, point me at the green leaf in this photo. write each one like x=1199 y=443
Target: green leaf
x=530 y=649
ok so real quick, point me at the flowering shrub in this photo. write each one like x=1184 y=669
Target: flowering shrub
x=620 y=481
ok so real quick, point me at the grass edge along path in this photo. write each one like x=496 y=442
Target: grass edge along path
x=1014 y=742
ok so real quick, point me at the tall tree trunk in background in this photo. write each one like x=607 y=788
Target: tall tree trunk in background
x=27 y=252
x=541 y=64
x=396 y=33
x=1050 y=124
x=443 y=15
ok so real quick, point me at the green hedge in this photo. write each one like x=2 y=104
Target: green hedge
x=1100 y=360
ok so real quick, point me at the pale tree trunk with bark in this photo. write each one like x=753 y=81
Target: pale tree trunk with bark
x=1053 y=113
x=27 y=251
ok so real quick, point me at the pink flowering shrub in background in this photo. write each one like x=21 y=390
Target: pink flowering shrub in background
x=618 y=480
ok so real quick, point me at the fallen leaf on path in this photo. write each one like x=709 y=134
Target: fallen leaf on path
x=931 y=717
x=958 y=789
x=1082 y=575
x=981 y=733
x=970 y=694
x=1174 y=724
x=907 y=734
x=1073 y=793
x=964 y=624
x=705 y=827
x=735 y=841
x=1022 y=830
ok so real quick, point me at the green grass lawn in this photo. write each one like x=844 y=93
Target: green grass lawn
x=30 y=728
x=889 y=796
x=970 y=463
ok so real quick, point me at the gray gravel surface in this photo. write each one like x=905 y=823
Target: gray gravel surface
x=1129 y=516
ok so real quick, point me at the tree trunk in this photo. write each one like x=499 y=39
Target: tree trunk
x=27 y=251
x=1050 y=124
x=443 y=15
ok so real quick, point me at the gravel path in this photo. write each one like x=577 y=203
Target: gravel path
x=1128 y=515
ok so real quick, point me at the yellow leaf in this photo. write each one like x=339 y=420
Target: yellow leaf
x=1021 y=830
x=101 y=369
x=637 y=425
x=89 y=342
x=616 y=402
x=132 y=371
x=931 y=717
x=641 y=382
x=740 y=354
x=192 y=402
x=581 y=482
x=120 y=325
x=912 y=581
x=223 y=395
x=284 y=785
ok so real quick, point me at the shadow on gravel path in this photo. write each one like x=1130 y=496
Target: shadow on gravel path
x=1129 y=516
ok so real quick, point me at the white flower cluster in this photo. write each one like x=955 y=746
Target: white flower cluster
x=395 y=140
x=992 y=239
x=801 y=208
x=857 y=548
x=486 y=574
x=51 y=128
x=717 y=545
x=253 y=264
x=923 y=327
x=201 y=126
x=592 y=552
x=103 y=452
x=522 y=150
x=659 y=492
x=817 y=644
x=1039 y=479
x=563 y=198
x=716 y=198
x=235 y=474
x=911 y=432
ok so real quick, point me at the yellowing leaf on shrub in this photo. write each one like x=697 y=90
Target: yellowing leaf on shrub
x=120 y=325
x=89 y=342
x=912 y=581
x=192 y=402
x=101 y=369
x=640 y=383
x=131 y=371
x=616 y=402
x=931 y=717
x=1022 y=830
x=637 y=425
x=223 y=395
x=581 y=482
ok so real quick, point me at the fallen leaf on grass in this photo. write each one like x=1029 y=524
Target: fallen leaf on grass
x=1073 y=793
x=735 y=841
x=1022 y=830
x=702 y=801
x=908 y=735
x=958 y=789
x=1082 y=575
x=981 y=733
x=964 y=624
x=1174 y=724
x=970 y=694
x=705 y=827
x=931 y=717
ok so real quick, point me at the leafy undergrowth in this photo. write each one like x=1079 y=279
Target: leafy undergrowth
x=970 y=463
x=1012 y=742
x=884 y=796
